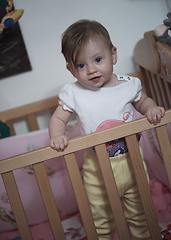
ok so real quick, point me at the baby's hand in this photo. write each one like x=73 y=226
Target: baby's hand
x=59 y=143
x=155 y=114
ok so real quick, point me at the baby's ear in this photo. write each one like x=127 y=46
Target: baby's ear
x=114 y=55
x=69 y=68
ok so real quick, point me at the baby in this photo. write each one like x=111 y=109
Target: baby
x=101 y=99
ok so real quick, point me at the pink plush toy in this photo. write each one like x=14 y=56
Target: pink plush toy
x=162 y=31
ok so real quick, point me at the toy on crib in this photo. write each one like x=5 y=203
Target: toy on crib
x=4 y=130
x=166 y=232
x=11 y=17
x=162 y=31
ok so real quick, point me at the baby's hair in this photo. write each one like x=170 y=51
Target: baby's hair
x=78 y=34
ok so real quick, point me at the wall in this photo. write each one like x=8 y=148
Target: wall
x=42 y=25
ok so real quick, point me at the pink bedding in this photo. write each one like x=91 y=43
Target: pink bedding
x=73 y=229
x=25 y=179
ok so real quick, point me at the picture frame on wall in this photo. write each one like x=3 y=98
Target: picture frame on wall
x=13 y=54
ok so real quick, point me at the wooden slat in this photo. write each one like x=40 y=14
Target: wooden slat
x=163 y=94
x=112 y=192
x=167 y=86
x=49 y=201
x=145 y=85
x=150 y=83
x=11 y=125
x=157 y=89
x=143 y=187
x=17 y=206
x=32 y=120
x=81 y=196
x=165 y=149
x=79 y=143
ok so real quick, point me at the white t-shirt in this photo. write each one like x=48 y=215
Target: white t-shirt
x=103 y=107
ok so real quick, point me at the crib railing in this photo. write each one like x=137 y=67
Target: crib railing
x=97 y=139
x=28 y=111
x=158 y=88
x=153 y=60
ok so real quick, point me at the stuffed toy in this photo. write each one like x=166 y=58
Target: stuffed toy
x=11 y=17
x=162 y=31
x=166 y=233
x=4 y=130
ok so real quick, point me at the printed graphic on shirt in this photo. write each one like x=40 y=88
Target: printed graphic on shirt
x=126 y=115
x=108 y=124
x=114 y=147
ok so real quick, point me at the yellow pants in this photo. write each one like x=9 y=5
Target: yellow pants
x=127 y=188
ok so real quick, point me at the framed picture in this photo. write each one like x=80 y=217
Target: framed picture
x=13 y=54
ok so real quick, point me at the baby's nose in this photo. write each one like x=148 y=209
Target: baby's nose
x=91 y=69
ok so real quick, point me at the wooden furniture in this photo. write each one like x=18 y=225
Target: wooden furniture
x=28 y=111
x=156 y=82
x=98 y=139
x=153 y=60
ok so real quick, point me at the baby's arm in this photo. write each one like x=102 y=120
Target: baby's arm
x=58 y=121
x=149 y=108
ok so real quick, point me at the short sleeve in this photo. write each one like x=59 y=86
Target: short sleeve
x=64 y=106
x=66 y=98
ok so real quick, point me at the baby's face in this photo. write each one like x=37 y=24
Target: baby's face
x=95 y=65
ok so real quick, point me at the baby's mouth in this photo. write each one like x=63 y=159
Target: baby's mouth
x=95 y=79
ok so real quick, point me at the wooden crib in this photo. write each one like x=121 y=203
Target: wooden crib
x=161 y=94
x=29 y=112
x=153 y=59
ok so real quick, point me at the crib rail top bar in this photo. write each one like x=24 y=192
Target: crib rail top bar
x=80 y=143
x=28 y=108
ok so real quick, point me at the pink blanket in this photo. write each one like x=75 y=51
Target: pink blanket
x=25 y=179
x=73 y=230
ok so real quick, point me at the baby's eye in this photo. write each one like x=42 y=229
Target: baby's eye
x=98 y=59
x=81 y=65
